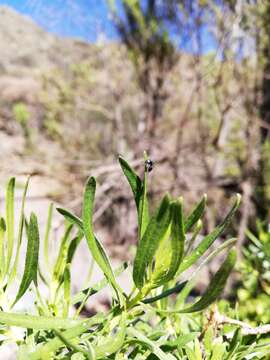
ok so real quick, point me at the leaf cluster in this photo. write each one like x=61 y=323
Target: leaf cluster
x=169 y=245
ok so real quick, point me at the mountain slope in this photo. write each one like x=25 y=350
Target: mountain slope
x=24 y=45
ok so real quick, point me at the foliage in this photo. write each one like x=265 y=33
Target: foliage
x=147 y=323
x=254 y=293
x=144 y=29
x=22 y=116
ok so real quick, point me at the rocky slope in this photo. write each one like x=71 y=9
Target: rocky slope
x=26 y=51
x=25 y=47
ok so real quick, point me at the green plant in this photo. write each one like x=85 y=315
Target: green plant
x=254 y=292
x=22 y=116
x=138 y=325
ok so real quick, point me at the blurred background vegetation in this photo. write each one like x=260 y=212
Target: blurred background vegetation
x=188 y=81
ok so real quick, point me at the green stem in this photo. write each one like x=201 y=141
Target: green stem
x=140 y=296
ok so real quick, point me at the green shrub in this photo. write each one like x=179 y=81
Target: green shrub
x=254 y=292
x=149 y=322
x=22 y=117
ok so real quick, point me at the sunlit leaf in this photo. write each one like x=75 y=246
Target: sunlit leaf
x=196 y=214
x=134 y=180
x=95 y=247
x=166 y=293
x=216 y=285
x=37 y=321
x=2 y=250
x=160 y=354
x=10 y=221
x=114 y=343
x=20 y=234
x=150 y=241
x=60 y=262
x=31 y=259
x=169 y=256
x=98 y=249
x=47 y=234
x=190 y=284
x=73 y=247
x=139 y=189
x=83 y=295
x=182 y=340
x=209 y=239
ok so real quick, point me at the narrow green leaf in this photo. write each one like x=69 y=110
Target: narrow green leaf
x=83 y=295
x=10 y=221
x=20 y=235
x=150 y=241
x=71 y=344
x=133 y=179
x=216 y=286
x=197 y=350
x=73 y=247
x=62 y=255
x=150 y=344
x=72 y=332
x=47 y=235
x=234 y=343
x=208 y=340
x=91 y=351
x=193 y=238
x=174 y=250
x=67 y=288
x=182 y=340
x=139 y=189
x=209 y=239
x=113 y=344
x=196 y=214
x=190 y=353
x=143 y=209
x=218 y=351
x=166 y=293
x=143 y=204
x=31 y=259
x=193 y=279
x=2 y=249
x=36 y=322
x=102 y=255
x=95 y=247
x=73 y=219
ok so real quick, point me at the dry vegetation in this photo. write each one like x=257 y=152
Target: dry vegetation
x=72 y=107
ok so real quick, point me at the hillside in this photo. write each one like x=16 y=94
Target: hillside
x=68 y=108
x=54 y=96
x=25 y=47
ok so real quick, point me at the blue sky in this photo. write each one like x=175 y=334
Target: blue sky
x=76 y=18
x=85 y=19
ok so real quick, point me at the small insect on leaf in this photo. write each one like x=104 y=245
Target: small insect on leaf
x=139 y=190
x=149 y=164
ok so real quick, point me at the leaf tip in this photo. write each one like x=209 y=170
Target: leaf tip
x=238 y=199
x=91 y=182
